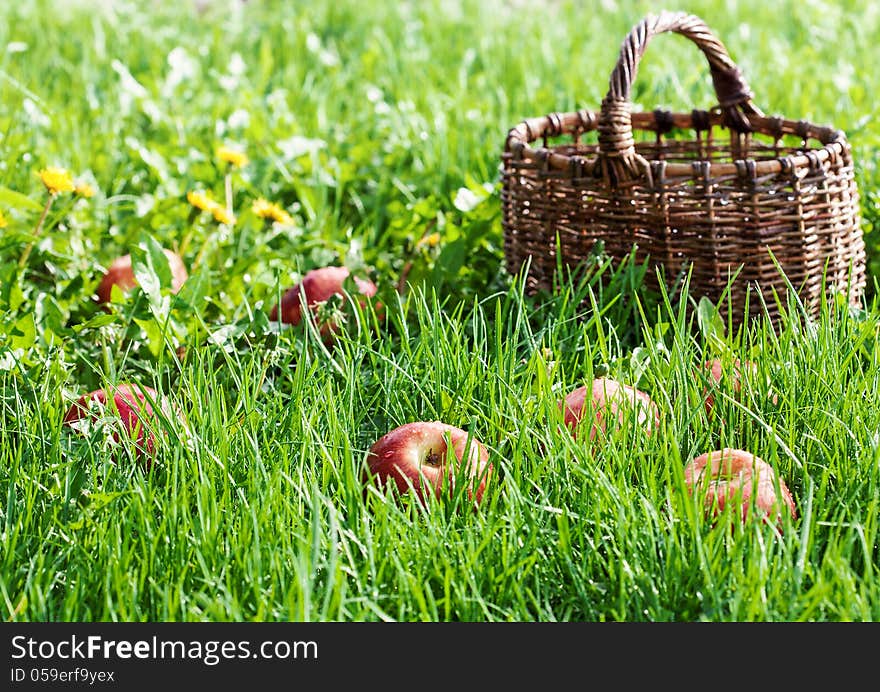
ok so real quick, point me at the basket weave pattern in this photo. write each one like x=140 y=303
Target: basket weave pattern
x=739 y=191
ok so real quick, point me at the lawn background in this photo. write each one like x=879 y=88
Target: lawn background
x=377 y=126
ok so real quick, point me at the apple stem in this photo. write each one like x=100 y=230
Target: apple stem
x=433 y=459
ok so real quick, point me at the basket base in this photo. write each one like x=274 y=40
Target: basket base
x=739 y=301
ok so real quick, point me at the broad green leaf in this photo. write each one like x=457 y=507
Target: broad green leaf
x=51 y=315
x=451 y=259
x=711 y=324
x=195 y=288
x=117 y=295
x=95 y=322
x=154 y=335
x=11 y=293
x=12 y=237
x=16 y=200
x=24 y=332
x=151 y=269
x=16 y=296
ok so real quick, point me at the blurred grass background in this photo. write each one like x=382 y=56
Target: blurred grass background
x=403 y=103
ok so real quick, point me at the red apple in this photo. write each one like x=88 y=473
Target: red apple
x=607 y=397
x=317 y=287
x=131 y=403
x=414 y=457
x=715 y=369
x=736 y=374
x=120 y=273
x=735 y=475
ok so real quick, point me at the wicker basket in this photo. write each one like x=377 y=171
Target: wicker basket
x=731 y=192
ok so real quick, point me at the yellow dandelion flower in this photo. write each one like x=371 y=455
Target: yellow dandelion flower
x=200 y=200
x=232 y=156
x=223 y=215
x=264 y=208
x=3 y=222
x=56 y=180
x=284 y=218
x=84 y=190
x=430 y=240
x=269 y=210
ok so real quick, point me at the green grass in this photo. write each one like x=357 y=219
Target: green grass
x=365 y=121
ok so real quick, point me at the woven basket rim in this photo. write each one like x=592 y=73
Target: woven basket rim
x=575 y=123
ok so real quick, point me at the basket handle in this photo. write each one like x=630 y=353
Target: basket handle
x=618 y=159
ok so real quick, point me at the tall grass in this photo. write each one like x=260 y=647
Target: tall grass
x=258 y=510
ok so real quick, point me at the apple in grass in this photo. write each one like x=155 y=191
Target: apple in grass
x=726 y=476
x=735 y=374
x=130 y=409
x=422 y=456
x=316 y=288
x=608 y=400
x=716 y=370
x=120 y=273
